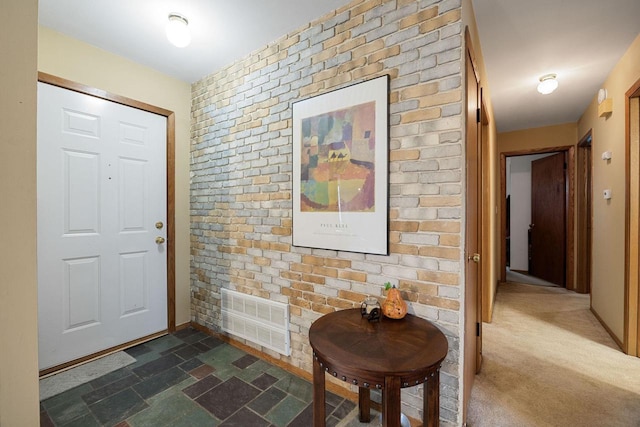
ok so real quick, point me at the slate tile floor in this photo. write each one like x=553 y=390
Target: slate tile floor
x=191 y=379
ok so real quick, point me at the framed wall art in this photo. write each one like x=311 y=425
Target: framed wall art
x=340 y=169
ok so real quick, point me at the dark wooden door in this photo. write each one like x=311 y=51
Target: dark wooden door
x=548 y=219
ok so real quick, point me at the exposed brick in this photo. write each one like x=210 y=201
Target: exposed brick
x=352 y=275
x=439 y=252
x=337 y=39
x=350 y=65
x=418 y=287
x=352 y=296
x=397 y=155
x=339 y=80
x=351 y=23
x=420 y=115
x=440 y=21
x=282 y=247
x=439 y=277
x=314 y=298
x=313 y=260
x=322 y=308
x=323 y=56
x=324 y=75
x=313 y=278
x=300 y=302
x=303 y=268
x=419 y=17
x=368 y=71
x=242 y=174
x=419 y=91
x=450 y=240
x=403 y=249
x=440 y=99
x=291 y=292
x=311 y=89
x=281 y=231
x=439 y=302
x=383 y=53
x=365 y=7
x=303 y=286
x=340 y=303
x=408 y=226
x=441 y=201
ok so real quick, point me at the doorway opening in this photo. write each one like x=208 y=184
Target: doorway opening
x=534 y=258
x=166 y=293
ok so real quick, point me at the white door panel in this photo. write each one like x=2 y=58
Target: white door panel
x=101 y=190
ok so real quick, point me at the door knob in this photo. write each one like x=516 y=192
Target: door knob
x=159 y=240
x=474 y=258
x=159 y=225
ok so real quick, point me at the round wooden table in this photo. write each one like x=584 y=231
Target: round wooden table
x=386 y=355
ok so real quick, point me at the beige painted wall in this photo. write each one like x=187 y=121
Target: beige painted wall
x=18 y=289
x=538 y=138
x=607 y=294
x=71 y=59
x=490 y=222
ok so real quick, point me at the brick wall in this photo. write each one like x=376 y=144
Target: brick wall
x=241 y=166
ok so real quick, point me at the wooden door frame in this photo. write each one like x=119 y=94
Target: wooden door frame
x=470 y=59
x=584 y=259
x=170 y=171
x=570 y=233
x=631 y=337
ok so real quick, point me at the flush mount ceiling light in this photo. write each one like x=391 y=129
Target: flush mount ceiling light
x=178 y=30
x=548 y=84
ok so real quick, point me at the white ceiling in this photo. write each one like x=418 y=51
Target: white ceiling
x=579 y=40
x=222 y=30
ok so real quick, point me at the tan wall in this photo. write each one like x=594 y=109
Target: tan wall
x=490 y=255
x=538 y=138
x=608 y=287
x=18 y=288
x=82 y=63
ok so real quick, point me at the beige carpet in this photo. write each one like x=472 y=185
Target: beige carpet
x=549 y=362
x=518 y=277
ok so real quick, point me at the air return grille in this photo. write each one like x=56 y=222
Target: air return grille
x=256 y=319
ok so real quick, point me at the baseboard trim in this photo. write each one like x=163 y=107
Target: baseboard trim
x=606 y=328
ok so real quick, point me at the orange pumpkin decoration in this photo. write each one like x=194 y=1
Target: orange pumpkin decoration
x=394 y=306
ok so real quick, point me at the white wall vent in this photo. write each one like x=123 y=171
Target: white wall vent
x=256 y=319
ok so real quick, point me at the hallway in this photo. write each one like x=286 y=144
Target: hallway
x=547 y=361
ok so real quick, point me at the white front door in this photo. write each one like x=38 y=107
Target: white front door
x=102 y=277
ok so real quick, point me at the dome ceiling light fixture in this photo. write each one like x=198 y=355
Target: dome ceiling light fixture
x=178 y=30
x=548 y=84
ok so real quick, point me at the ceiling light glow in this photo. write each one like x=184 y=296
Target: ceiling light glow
x=548 y=84
x=178 y=30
